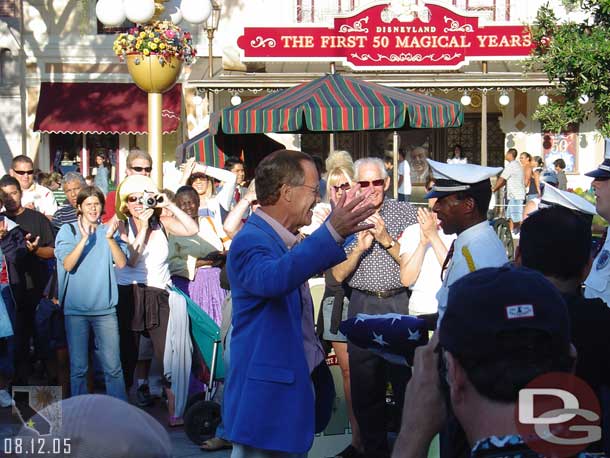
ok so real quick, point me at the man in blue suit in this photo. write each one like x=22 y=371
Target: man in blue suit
x=269 y=398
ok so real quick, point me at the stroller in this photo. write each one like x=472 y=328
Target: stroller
x=201 y=414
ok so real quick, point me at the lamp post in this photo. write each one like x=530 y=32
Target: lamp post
x=211 y=26
x=154 y=66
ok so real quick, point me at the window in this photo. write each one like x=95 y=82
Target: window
x=315 y=11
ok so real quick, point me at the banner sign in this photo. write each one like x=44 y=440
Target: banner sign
x=384 y=36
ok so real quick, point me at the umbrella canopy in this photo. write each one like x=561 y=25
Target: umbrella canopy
x=212 y=149
x=336 y=103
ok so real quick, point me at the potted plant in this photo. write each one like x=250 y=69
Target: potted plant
x=155 y=53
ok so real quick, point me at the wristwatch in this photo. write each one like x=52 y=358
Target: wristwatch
x=390 y=246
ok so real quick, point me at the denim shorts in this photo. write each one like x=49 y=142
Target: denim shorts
x=327 y=310
x=514 y=210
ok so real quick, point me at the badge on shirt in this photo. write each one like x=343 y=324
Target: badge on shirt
x=602 y=260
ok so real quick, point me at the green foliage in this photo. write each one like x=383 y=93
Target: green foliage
x=577 y=58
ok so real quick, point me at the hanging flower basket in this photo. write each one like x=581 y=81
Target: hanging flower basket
x=155 y=54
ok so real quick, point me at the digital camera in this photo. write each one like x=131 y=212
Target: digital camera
x=151 y=199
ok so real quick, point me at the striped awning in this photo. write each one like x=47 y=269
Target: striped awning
x=212 y=149
x=336 y=103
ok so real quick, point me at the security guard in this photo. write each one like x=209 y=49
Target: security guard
x=597 y=283
x=463 y=192
x=552 y=197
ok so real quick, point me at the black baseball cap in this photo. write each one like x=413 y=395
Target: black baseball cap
x=487 y=303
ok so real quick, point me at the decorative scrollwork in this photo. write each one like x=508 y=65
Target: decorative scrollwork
x=454 y=26
x=356 y=27
x=260 y=42
x=406 y=57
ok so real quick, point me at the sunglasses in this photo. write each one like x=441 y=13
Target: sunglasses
x=133 y=199
x=343 y=187
x=142 y=169
x=366 y=184
x=23 y=172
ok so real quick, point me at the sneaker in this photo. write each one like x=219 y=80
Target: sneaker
x=5 y=399
x=143 y=397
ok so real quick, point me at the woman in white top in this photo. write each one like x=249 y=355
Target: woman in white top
x=457 y=156
x=143 y=298
x=201 y=178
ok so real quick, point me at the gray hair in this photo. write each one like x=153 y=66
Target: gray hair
x=73 y=176
x=368 y=161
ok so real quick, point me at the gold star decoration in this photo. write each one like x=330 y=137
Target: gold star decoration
x=30 y=423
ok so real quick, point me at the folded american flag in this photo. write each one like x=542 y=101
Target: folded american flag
x=391 y=335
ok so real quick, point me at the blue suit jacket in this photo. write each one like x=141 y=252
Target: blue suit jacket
x=268 y=398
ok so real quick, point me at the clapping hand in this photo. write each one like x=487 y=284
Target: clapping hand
x=113 y=225
x=85 y=232
x=365 y=240
x=32 y=246
x=379 y=230
x=3 y=229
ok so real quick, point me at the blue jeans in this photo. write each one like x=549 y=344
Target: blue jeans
x=404 y=197
x=106 y=339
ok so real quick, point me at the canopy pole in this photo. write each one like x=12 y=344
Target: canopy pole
x=332 y=68
x=331 y=141
x=484 y=121
x=84 y=158
x=395 y=161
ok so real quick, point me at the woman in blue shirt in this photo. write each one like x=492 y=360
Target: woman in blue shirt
x=87 y=252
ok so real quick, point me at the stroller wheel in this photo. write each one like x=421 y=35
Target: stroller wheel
x=193 y=399
x=201 y=421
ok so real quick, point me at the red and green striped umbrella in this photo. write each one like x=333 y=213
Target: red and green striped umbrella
x=212 y=149
x=336 y=103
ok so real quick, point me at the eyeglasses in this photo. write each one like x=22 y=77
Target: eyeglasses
x=142 y=169
x=315 y=189
x=366 y=184
x=133 y=199
x=343 y=187
x=24 y=172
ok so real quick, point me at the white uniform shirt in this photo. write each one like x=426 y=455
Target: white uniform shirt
x=475 y=248
x=597 y=283
x=42 y=198
x=423 y=296
x=405 y=171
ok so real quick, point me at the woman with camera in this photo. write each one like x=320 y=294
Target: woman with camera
x=89 y=301
x=143 y=297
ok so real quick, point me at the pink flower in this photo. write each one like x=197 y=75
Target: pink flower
x=170 y=34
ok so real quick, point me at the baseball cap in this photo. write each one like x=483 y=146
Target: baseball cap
x=100 y=426
x=452 y=178
x=485 y=304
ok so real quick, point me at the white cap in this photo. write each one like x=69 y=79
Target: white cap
x=552 y=196
x=452 y=178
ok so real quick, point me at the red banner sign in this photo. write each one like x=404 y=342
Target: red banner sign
x=383 y=37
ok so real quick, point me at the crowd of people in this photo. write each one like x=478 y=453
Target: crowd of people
x=111 y=267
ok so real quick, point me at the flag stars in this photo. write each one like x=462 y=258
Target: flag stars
x=414 y=335
x=378 y=338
